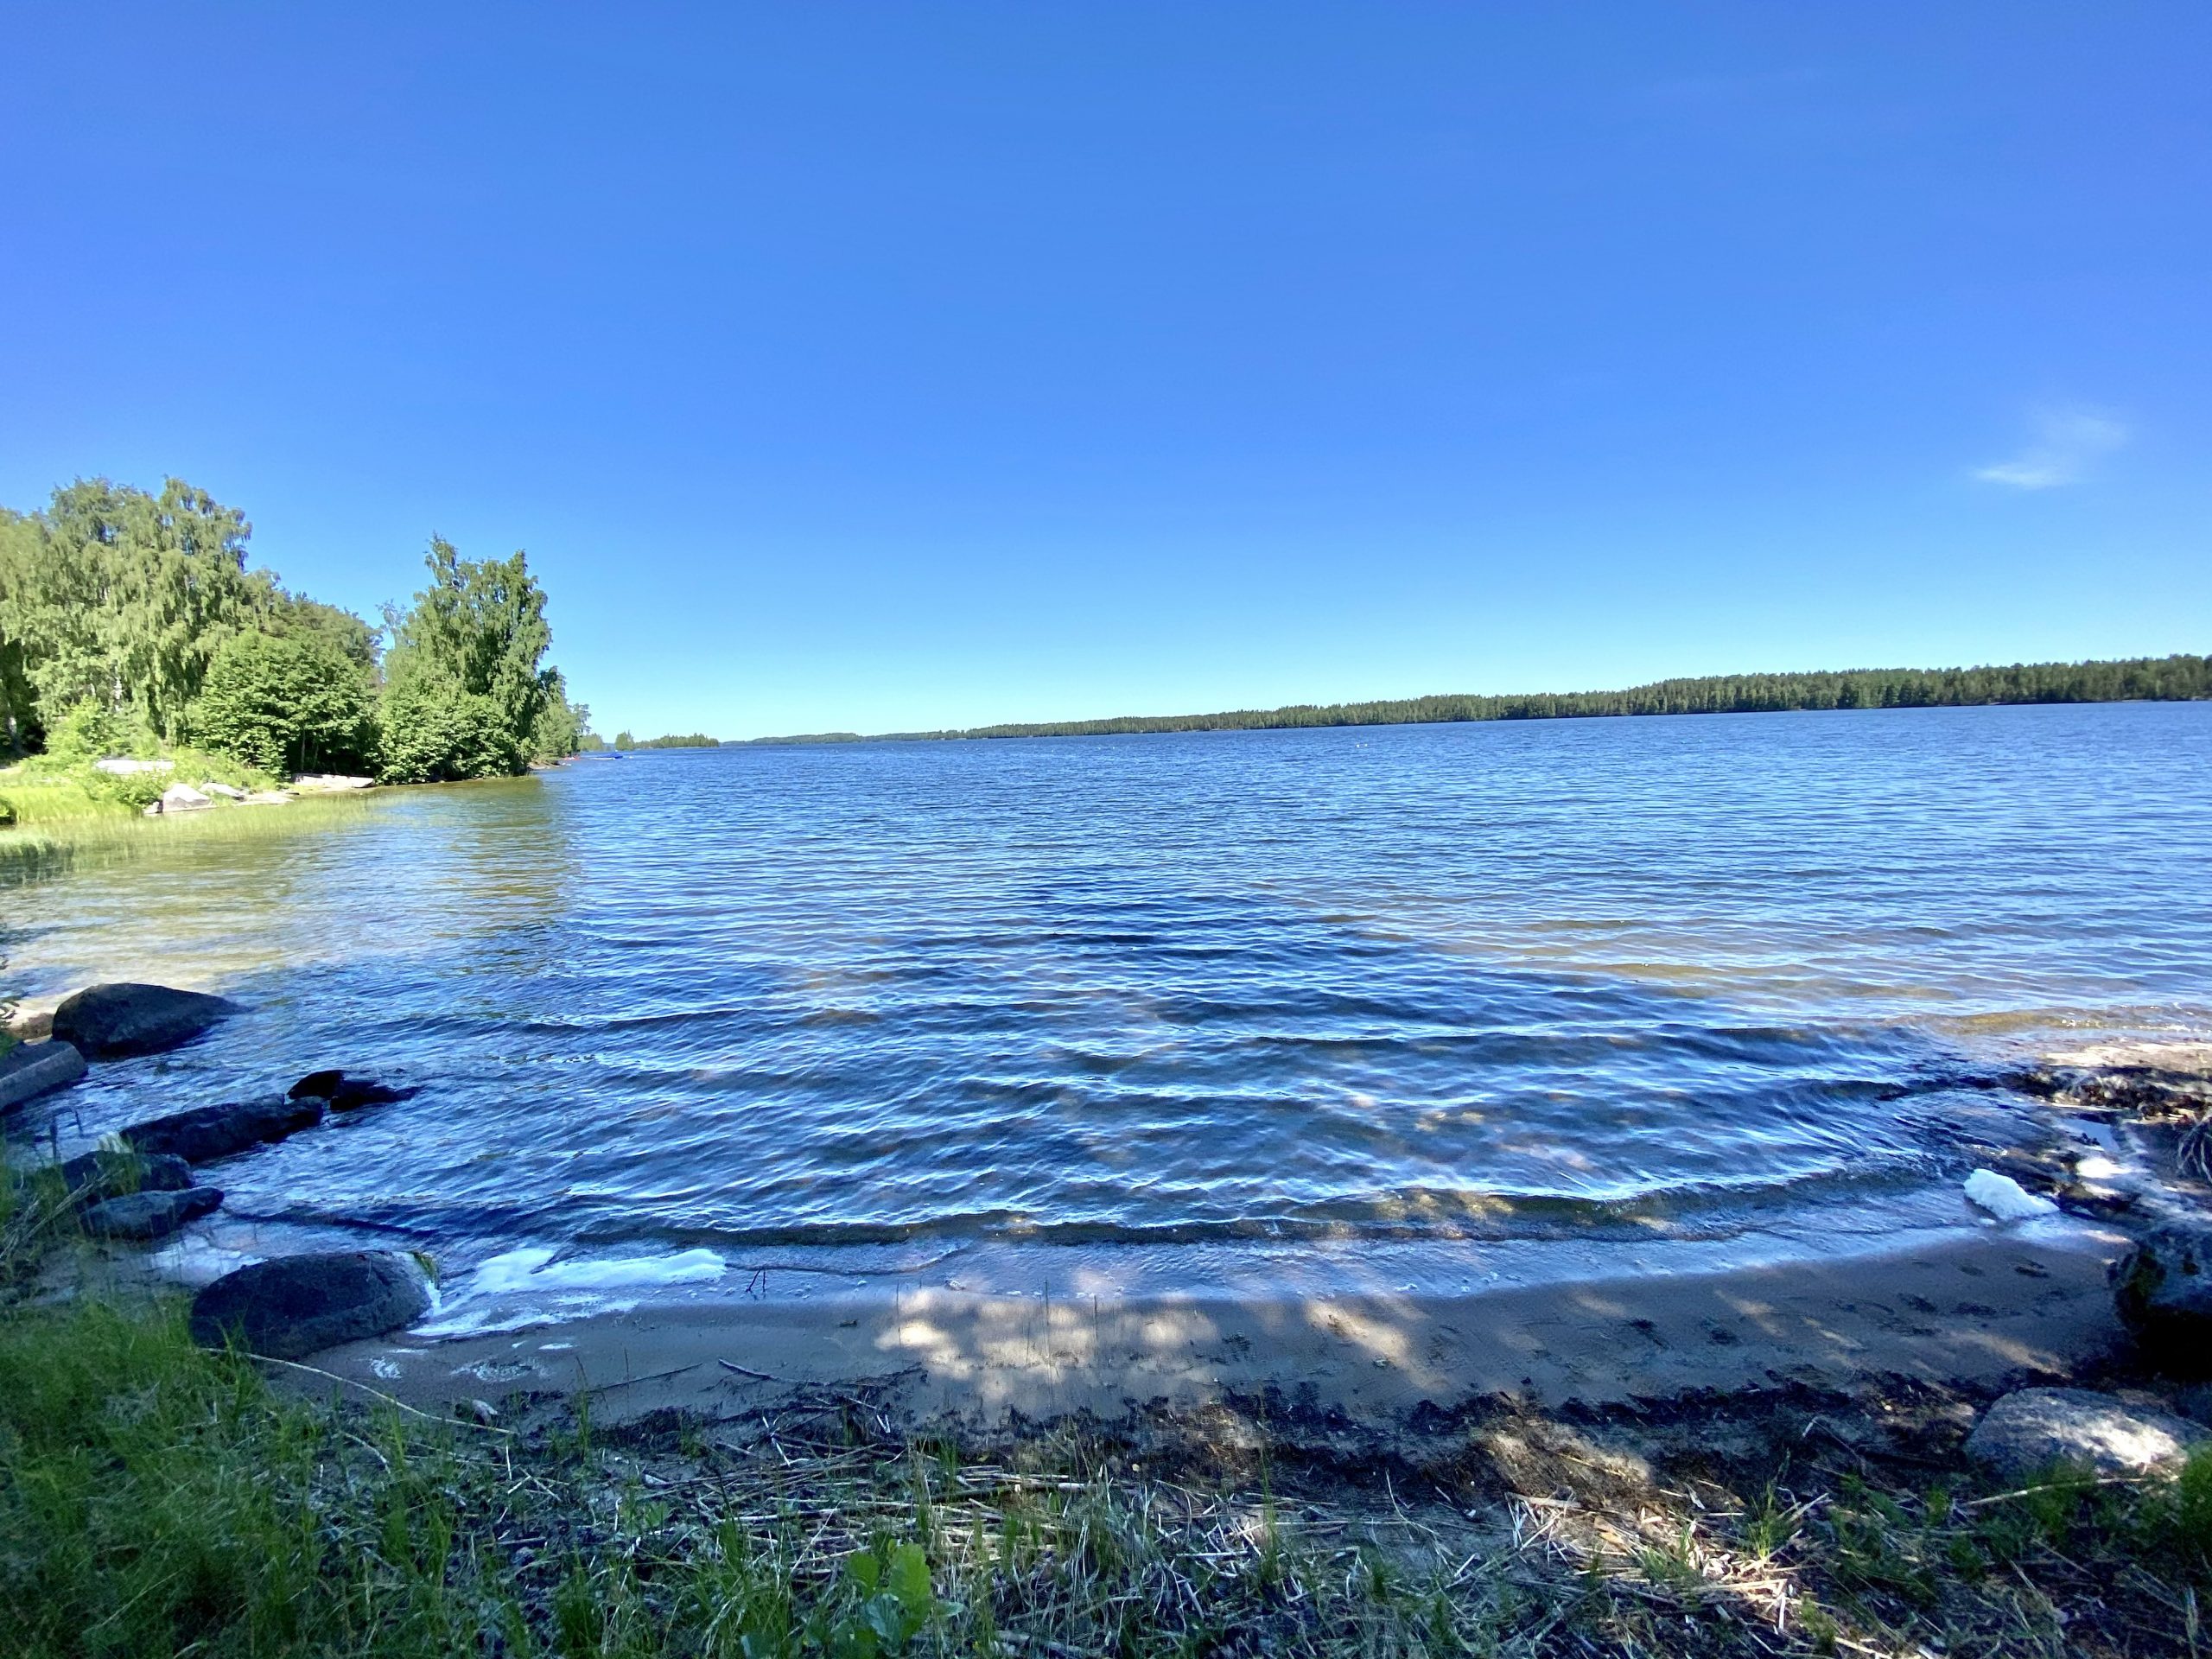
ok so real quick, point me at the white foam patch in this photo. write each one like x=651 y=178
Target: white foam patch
x=533 y=1269
x=576 y=1287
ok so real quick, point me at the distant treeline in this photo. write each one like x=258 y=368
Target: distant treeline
x=683 y=740
x=2138 y=679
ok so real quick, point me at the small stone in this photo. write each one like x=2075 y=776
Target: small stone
x=207 y=1133
x=347 y=1093
x=93 y=1176
x=2032 y=1431
x=181 y=798
x=29 y=1069
x=225 y=790
x=298 y=1305
x=147 y=1215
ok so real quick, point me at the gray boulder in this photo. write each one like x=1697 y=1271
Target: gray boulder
x=2033 y=1430
x=100 y=1175
x=207 y=1133
x=108 y=1022
x=150 y=1214
x=29 y=1069
x=299 y=1303
x=2162 y=1290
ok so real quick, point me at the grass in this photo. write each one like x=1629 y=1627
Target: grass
x=48 y=846
x=157 y=1499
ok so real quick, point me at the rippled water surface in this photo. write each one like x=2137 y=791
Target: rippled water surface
x=1412 y=982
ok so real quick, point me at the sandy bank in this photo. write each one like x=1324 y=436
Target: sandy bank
x=1977 y=1310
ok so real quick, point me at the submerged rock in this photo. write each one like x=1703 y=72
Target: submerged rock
x=94 y=1176
x=2163 y=1290
x=29 y=1069
x=299 y=1303
x=2034 y=1430
x=108 y=1022
x=207 y=1133
x=150 y=1214
x=345 y=1092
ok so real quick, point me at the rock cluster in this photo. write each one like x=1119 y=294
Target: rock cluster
x=146 y=1189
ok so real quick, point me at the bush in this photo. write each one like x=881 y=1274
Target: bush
x=283 y=704
x=436 y=735
x=90 y=731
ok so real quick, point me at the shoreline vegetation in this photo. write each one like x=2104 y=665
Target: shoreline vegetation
x=146 y=667
x=2161 y=679
x=157 y=1496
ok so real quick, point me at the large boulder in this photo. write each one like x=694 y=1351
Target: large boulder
x=2163 y=1290
x=149 y=1216
x=29 y=1069
x=298 y=1304
x=2033 y=1430
x=98 y=1175
x=344 y=1092
x=108 y=1022
x=207 y=1133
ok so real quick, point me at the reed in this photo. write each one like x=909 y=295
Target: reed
x=44 y=848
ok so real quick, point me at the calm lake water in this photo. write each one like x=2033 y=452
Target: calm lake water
x=1601 y=976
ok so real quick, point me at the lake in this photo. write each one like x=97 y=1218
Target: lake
x=1450 y=986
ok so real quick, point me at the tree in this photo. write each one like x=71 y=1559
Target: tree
x=464 y=689
x=285 y=703
x=436 y=735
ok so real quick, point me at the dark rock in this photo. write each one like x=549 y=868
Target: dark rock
x=2163 y=1289
x=29 y=1069
x=106 y=1021
x=98 y=1175
x=150 y=1214
x=345 y=1093
x=207 y=1133
x=2034 y=1430
x=298 y=1304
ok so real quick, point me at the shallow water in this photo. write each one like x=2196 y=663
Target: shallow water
x=1607 y=978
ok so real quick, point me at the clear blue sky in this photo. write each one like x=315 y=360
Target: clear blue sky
x=876 y=367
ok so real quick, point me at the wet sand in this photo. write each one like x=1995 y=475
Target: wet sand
x=1977 y=1309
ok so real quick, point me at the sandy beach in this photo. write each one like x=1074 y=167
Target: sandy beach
x=1977 y=1310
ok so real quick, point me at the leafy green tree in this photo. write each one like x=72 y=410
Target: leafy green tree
x=466 y=689
x=285 y=702
x=130 y=596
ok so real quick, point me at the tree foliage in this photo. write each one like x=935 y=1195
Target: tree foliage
x=129 y=621
x=467 y=694
x=285 y=702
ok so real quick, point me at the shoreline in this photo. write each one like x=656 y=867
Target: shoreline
x=1980 y=1309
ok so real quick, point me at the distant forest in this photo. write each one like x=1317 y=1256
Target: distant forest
x=2168 y=679
x=681 y=741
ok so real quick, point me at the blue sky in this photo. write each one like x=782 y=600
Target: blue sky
x=875 y=367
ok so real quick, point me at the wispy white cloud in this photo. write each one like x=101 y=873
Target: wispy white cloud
x=2067 y=444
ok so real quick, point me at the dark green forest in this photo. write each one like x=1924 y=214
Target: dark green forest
x=674 y=740
x=2136 y=679
x=130 y=623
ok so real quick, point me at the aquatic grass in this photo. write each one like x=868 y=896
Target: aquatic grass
x=52 y=848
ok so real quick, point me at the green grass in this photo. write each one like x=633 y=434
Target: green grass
x=51 y=846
